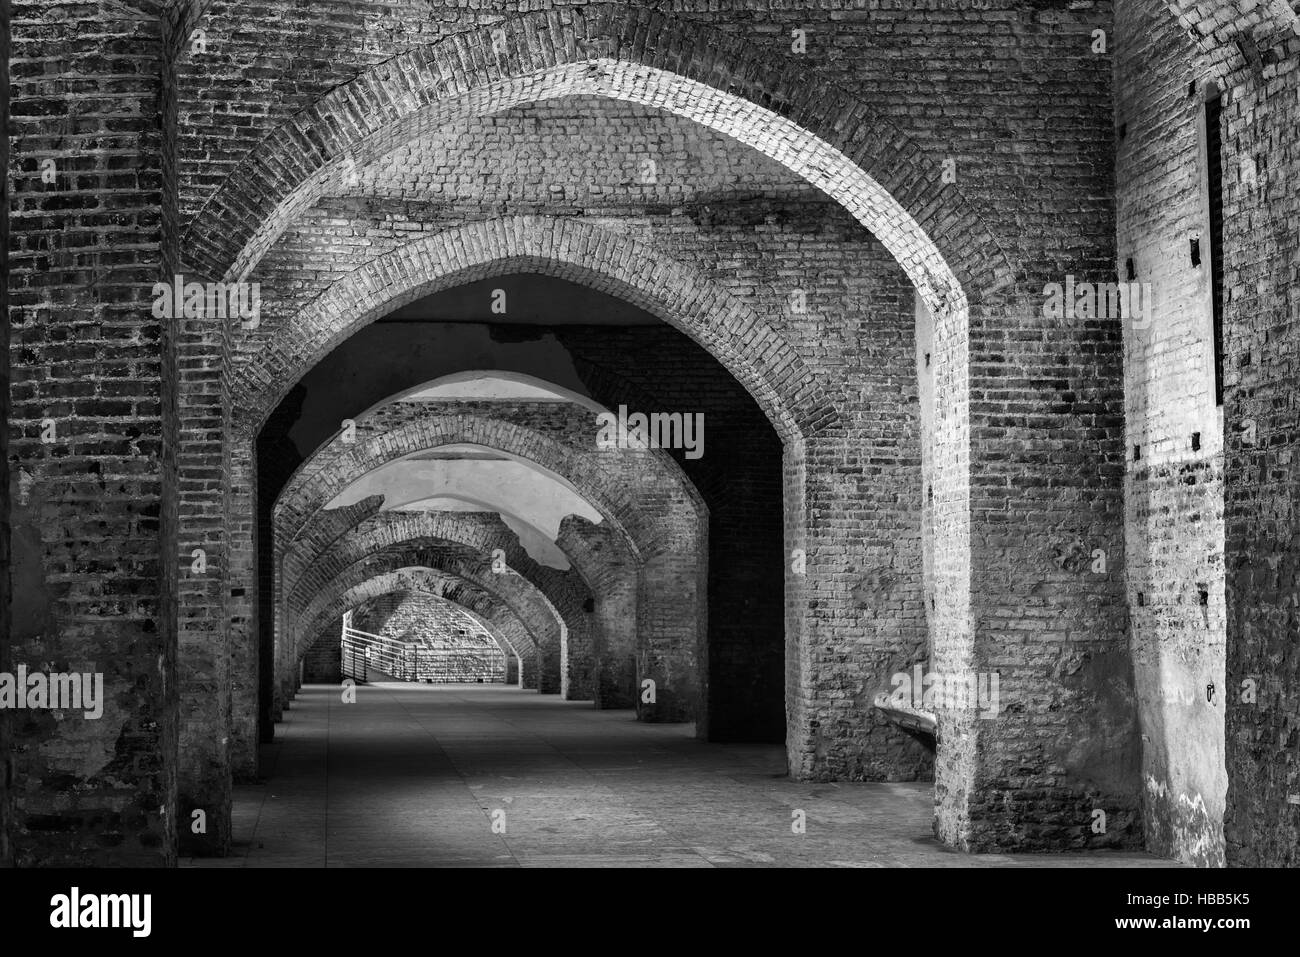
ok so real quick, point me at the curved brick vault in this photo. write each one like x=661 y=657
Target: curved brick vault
x=495 y=614
x=370 y=552
x=269 y=361
x=891 y=186
x=822 y=133
x=483 y=533
x=1239 y=38
x=322 y=656
x=644 y=496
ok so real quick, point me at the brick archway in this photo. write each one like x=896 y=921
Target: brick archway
x=494 y=614
x=672 y=291
x=454 y=562
x=828 y=137
x=590 y=578
x=669 y=545
x=523 y=582
x=820 y=132
x=269 y=361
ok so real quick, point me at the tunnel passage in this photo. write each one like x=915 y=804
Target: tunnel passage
x=1096 y=512
x=625 y=357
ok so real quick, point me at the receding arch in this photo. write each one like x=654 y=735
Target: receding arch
x=669 y=547
x=821 y=133
x=456 y=564
x=275 y=356
x=490 y=611
x=541 y=388
x=556 y=599
x=338 y=463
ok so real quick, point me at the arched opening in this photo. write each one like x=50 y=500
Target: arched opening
x=489 y=253
x=1033 y=499
x=772 y=352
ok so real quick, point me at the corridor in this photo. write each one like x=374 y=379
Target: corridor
x=417 y=775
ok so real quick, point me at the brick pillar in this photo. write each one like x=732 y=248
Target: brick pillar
x=92 y=433
x=1038 y=769
x=204 y=666
x=5 y=771
x=670 y=621
x=1261 y=343
x=613 y=625
x=243 y=634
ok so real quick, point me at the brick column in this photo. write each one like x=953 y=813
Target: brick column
x=1262 y=473
x=4 y=434
x=92 y=433
x=1052 y=761
x=241 y=615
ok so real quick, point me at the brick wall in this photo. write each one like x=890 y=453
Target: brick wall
x=1261 y=116
x=458 y=648
x=323 y=661
x=1028 y=446
x=5 y=759
x=1214 y=531
x=93 y=581
x=1173 y=559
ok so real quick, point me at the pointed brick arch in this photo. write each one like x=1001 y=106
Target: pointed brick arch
x=331 y=633
x=454 y=562
x=820 y=132
x=269 y=361
x=826 y=136
x=669 y=544
x=492 y=612
x=520 y=580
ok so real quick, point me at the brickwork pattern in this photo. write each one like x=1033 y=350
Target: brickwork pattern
x=457 y=648
x=1027 y=453
x=1174 y=548
x=93 y=585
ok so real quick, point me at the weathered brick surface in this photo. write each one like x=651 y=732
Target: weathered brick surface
x=1173 y=493
x=1216 y=530
x=1261 y=133
x=983 y=232
x=388 y=574
x=457 y=648
x=957 y=537
x=486 y=533
x=323 y=661
x=5 y=767
x=93 y=532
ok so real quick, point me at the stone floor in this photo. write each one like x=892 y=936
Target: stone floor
x=419 y=775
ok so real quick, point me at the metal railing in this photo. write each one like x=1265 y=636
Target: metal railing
x=396 y=658
x=364 y=652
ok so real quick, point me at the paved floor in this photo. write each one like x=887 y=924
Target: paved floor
x=474 y=775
